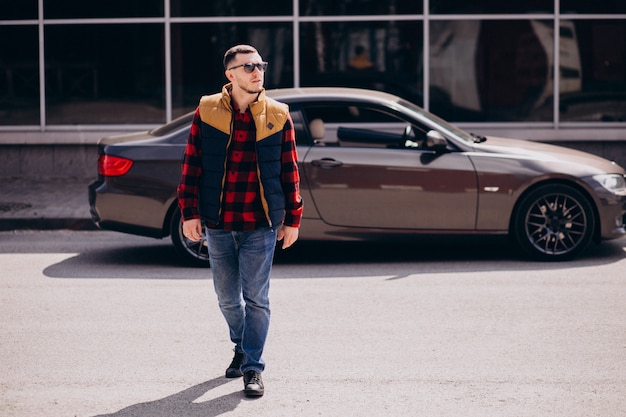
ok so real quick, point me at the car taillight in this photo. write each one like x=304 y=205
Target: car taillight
x=113 y=166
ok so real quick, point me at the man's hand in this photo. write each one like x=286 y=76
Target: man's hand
x=192 y=229
x=288 y=235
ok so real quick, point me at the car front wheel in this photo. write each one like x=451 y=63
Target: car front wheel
x=194 y=253
x=554 y=222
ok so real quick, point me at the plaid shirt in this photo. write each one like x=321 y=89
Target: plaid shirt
x=241 y=201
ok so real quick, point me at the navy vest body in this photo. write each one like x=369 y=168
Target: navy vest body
x=214 y=153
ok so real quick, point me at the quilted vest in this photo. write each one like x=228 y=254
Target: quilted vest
x=216 y=115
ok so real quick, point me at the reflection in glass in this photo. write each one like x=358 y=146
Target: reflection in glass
x=490 y=70
x=384 y=56
x=359 y=7
x=198 y=49
x=231 y=8
x=68 y=9
x=593 y=71
x=13 y=10
x=491 y=6
x=595 y=6
x=97 y=74
x=19 y=75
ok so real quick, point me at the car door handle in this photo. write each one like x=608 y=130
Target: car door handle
x=326 y=163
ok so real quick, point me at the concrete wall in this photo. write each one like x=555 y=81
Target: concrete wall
x=47 y=160
x=38 y=161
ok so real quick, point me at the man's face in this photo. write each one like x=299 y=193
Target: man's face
x=252 y=82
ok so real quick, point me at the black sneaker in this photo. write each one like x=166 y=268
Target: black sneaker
x=253 y=384
x=234 y=369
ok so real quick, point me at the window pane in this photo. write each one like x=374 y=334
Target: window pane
x=19 y=76
x=491 y=70
x=491 y=6
x=359 y=7
x=595 y=6
x=198 y=49
x=593 y=71
x=390 y=59
x=97 y=74
x=230 y=8
x=349 y=124
x=67 y=9
x=24 y=9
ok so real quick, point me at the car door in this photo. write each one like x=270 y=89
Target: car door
x=366 y=172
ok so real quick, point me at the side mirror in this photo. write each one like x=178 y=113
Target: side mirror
x=435 y=141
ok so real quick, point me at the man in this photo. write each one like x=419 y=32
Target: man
x=240 y=184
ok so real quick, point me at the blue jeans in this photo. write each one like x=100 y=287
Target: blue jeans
x=241 y=263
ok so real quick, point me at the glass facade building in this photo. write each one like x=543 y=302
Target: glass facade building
x=550 y=66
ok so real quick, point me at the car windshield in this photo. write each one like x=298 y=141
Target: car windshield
x=437 y=121
x=173 y=126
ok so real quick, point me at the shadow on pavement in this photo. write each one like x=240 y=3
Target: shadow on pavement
x=182 y=403
x=331 y=259
x=146 y=262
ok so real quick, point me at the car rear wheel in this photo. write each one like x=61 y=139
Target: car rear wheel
x=554 y=222
x=195 y=253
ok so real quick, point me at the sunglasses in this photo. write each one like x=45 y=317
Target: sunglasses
x=249 y=67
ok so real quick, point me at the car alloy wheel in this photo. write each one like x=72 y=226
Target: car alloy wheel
x=554 y=222
x=194 y=253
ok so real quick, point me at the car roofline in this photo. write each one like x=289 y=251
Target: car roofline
x=321 y=93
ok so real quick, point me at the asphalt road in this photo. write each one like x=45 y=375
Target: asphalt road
x=104 y=324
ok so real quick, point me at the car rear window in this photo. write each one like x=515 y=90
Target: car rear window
x=173 y=126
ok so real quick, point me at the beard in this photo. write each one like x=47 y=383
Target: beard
x=253 y=89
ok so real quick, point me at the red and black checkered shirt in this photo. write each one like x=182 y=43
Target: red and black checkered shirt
x=241 y=202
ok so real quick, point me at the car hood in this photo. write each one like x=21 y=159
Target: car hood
x=524 y=149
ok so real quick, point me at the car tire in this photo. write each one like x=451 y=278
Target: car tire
x=554 y=222
x=193 y=253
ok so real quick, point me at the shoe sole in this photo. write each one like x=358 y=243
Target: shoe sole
x=254 y=393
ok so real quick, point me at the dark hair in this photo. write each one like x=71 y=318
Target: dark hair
x=230 y=55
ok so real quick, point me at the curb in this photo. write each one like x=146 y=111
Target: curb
x=47 y=224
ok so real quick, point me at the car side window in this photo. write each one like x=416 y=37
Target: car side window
x=357 y=125
x=302 y=136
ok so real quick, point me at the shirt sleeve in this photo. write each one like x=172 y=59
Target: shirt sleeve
x=290 y=177
x=191 y=172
